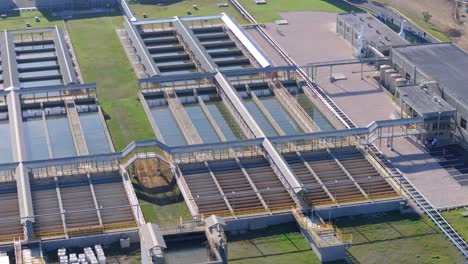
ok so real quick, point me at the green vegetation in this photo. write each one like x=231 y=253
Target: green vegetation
x=269 y=12
x=276 y=244
x=179 y=8
x=164 y=208
x=103 y=60
x=460 y=223
x=19 y=21
x=167 y=215
x=426 y=16
x=427 y=26
x=229 y=120
x=397 y=238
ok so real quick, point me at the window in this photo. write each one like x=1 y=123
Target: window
x=463 y=123
x=356 y=36
x=340 y=23
x=347 y=29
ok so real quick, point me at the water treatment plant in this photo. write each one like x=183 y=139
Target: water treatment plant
x=211 y=137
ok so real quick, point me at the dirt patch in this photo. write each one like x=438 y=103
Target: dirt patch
x=449 y=16
x=154 y=178
x=454 y=33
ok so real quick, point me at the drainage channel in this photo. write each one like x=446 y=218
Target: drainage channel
x=94 y=132
x=420 y=200
x=168 y=53
x=37 y=64
x=206 y=112
x=5 y=147
x=275 y=117
x=48 y=134
x=224 y=51
x=321 y=121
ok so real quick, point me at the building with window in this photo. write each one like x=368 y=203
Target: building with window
x=441 y=70
x=63 y=5
x=377 y=34
x=6 y=4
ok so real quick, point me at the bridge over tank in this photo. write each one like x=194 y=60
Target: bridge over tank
x=71 y=191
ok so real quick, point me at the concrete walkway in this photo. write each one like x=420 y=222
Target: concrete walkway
x=363 y=100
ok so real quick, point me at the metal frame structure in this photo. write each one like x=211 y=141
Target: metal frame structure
x=311 y=68
x=15 y=97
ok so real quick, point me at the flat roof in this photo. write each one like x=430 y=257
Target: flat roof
x=374 y=29
x=423 y=102
x=445 y=63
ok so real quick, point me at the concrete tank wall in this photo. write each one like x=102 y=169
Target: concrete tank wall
x=258 y=222
x=370 y=208
x=86 y=241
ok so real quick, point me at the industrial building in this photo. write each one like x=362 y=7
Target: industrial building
x=445 y=80
x=6 y=5
x=442 y=81
x=69 y=5
x=376 y=34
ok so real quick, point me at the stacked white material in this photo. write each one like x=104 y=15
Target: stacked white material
x=100 y=254
x=90 y=256
x=82 y=258
x=27 y=255
x=73 y=259
x=63 y=260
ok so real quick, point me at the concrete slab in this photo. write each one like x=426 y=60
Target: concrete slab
x=310 y=37
x=274 y=56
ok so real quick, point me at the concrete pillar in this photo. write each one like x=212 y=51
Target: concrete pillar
x=28 y=230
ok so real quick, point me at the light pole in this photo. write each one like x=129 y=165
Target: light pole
x=438 y=125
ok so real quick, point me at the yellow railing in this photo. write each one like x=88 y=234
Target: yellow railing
x=218 y=213
x=253 y=211
x=99 y=229
x=285 y=207
x=10 y=238
x=322 y=203
x=56 y=233
x=315 y=230
x=122 y=225
x=346 y=238
x=384 y=195
x=351 y=200
x=85 y=230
